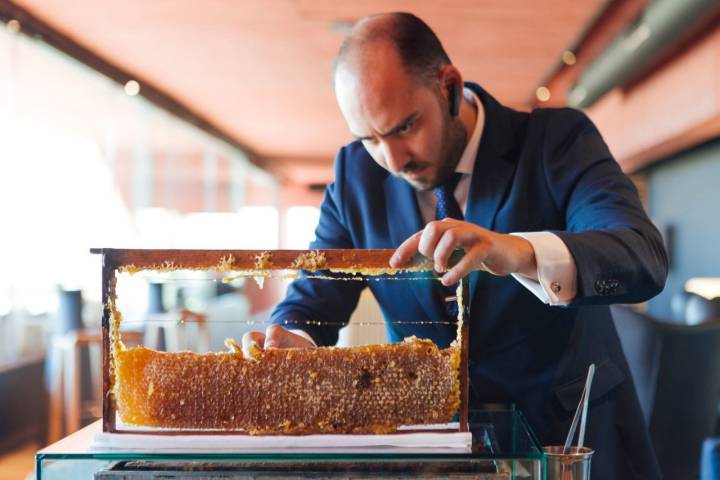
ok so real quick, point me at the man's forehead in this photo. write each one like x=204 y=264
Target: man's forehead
x=374 y=98
x=367 y=110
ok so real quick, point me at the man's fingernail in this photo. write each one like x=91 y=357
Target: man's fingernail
x=394 y=259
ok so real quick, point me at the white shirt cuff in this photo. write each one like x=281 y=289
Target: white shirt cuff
x=303 y=334
x=556 y=270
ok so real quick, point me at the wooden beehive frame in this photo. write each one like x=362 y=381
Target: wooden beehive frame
x=368 y=262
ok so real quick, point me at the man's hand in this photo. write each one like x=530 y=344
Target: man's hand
x=275 y=336
x=497 y=253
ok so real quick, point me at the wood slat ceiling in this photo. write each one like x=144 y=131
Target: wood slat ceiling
x=260 y=69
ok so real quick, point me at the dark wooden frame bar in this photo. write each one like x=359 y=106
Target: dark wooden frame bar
x=114 y=260
x=108 y=405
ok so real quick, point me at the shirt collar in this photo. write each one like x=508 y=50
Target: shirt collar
x=467 y=160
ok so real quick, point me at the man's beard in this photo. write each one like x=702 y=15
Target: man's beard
x=453 y=146
x=454 y=140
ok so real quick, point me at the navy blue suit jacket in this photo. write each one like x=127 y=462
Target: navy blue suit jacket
x=548 y=170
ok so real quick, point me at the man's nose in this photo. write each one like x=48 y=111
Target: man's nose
x=395 y=155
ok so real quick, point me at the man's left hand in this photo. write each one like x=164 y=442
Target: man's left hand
x=497 y=253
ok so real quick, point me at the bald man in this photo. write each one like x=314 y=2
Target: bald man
x=553 y=232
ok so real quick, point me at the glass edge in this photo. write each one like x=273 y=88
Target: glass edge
x=531 y=433
x=537 y=454
x=278 y=456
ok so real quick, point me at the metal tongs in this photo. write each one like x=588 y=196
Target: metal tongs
x=581 y=411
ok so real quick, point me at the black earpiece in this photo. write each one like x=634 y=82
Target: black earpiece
x=454 y=94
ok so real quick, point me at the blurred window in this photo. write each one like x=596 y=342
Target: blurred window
x=300 y=223
x=85 y=164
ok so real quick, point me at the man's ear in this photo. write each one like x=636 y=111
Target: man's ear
x=451 y=79
x=454 y=100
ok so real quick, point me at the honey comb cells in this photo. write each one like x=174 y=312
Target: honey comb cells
x=370 y=389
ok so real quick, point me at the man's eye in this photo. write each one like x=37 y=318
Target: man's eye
x=406 y=128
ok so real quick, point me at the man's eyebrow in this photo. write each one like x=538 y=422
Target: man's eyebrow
x=399 y=126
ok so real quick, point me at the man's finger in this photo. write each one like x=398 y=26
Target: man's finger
x=406 y=251
x=472 y=260
x=252 y=338
x=280 y=337
x=452 y=239
x=431 y=235
x=275 y=337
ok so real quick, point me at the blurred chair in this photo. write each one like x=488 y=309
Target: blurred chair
x=699 y=310
x=228 y=316
x=678 y=305
x=168 y=330
x=675 y=369
x=74 y=367
x=66 y=399
x=710 y=467
x=67 y=321
x=692 y=309
x=641 y=342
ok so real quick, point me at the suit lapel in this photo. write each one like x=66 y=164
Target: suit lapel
x=493 y=171
x=403 y=218
x=401 y=208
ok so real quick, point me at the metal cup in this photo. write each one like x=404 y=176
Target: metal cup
x=574 y=465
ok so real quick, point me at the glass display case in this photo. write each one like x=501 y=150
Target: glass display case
x=375 y=409
x=403 y=381
x=503 y=448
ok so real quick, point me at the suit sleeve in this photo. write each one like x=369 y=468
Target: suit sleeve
x=618 y=252
x=322 y=307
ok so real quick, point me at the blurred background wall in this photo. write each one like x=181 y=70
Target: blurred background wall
x=190 y=124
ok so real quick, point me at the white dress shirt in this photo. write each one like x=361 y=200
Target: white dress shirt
x=556 y=271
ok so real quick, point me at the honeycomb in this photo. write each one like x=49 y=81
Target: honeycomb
x=369 y=389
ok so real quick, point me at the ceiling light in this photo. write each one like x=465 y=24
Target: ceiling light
x=132 y=88
x=568 y=57
x=13 y=26
x=542 y=94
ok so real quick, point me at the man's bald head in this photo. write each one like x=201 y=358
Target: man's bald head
x=395 y=86
x=416 y=45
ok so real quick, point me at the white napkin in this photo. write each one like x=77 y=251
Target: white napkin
x=416 y=442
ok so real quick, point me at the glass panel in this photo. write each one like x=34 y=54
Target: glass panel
x=503 y=448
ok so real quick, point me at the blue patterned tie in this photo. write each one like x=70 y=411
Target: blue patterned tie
x=446 y=206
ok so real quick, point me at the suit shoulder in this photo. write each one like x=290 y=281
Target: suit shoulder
x=354 y=163
x=560 y=120
x=561 y=127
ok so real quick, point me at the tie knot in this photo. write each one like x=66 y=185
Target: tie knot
x=448 y=188
x=444 y=193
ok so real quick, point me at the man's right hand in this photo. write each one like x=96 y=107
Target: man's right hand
x=275 y=336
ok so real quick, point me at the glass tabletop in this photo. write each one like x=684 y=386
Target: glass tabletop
x=496 y=434
x=501 y=441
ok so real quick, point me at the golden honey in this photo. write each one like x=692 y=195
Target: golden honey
x=369 y=389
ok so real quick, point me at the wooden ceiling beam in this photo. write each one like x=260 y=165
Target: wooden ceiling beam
x=674 y=108
x=34 y=27
x=596 y=37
